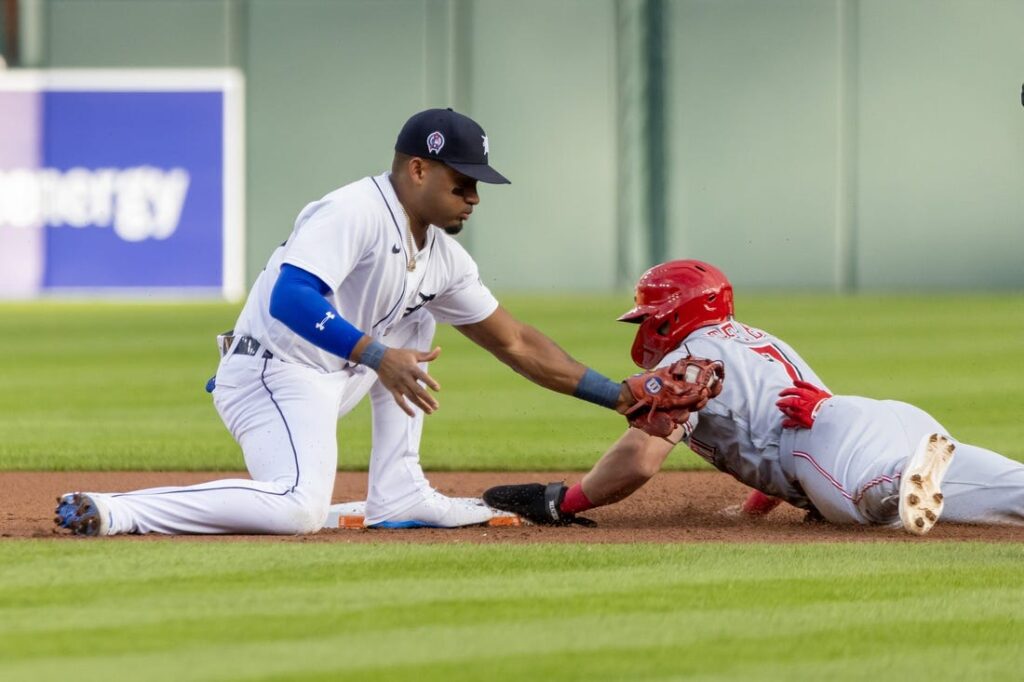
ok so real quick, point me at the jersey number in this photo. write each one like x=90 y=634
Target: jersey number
x=772 y=353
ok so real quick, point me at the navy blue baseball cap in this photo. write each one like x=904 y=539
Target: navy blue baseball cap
x=451 y=138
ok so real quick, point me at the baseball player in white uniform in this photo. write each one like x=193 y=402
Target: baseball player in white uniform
x=850 y=459
x=345 y=307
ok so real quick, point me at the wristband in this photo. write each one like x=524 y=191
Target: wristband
x=373 y=354
x=598 y=389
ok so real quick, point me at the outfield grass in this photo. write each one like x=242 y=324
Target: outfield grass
x=120 y=386
x=177 y=610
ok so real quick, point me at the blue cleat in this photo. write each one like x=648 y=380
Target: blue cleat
x=81 y=514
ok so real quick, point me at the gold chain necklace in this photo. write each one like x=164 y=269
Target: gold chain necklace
x=412 y=245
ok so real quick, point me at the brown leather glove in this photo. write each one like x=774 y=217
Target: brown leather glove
x=666 y=396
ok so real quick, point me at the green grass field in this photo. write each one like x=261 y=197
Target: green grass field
x=288 y=611
x=120 y=387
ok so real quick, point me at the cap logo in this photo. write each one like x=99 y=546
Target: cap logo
x=487 y=146
x=435 y=141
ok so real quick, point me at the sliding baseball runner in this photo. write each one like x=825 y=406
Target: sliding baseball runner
x=775 y=427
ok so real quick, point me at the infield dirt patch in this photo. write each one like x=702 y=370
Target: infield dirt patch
x=672 y=507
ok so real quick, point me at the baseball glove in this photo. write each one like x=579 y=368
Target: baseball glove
x=666 y=396
x=534 y=502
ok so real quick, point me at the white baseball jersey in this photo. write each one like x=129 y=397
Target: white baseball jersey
x=283 y=412
x=355 y=240
x=849 y=465
x=739 y=431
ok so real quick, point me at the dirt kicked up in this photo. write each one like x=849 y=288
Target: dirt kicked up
x=673 y=507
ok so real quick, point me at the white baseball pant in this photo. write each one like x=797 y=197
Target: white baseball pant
x=284 y=416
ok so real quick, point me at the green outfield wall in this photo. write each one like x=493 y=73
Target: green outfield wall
x=839 y=145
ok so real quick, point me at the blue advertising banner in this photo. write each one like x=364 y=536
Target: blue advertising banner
x=131 y=184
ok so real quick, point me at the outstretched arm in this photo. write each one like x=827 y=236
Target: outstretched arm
x=535 y=356
x=629 y=463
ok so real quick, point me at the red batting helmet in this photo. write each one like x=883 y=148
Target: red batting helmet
x=673 y=299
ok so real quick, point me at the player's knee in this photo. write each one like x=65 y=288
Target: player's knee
x=307 y=515
x=316 y=516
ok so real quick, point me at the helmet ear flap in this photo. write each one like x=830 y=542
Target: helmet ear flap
x=639 y=351
x=654 y=339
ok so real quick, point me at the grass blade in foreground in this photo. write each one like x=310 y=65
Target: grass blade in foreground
x=171 y=610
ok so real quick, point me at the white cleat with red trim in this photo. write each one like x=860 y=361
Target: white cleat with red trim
x=921 y=483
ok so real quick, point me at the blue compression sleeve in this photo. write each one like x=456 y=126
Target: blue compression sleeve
x=298 y=301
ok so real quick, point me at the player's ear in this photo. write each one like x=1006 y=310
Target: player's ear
x=417 y=169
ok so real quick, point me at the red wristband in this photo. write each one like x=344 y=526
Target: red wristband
x=575 y=501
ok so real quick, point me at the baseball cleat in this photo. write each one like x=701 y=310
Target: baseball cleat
x=439 y=511
x=82 y=514
x=920 y=494
x=535 y=502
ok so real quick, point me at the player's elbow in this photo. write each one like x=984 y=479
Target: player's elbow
x=280 y=298
x=285 y=296
x=296 y=292
x=276 y=309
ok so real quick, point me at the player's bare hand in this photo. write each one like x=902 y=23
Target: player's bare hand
x=401 y=374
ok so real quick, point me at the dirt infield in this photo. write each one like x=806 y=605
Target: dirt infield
x=672 y=507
